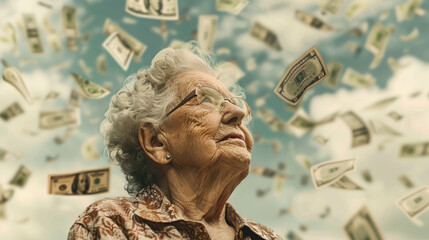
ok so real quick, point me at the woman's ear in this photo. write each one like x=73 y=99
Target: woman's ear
x=152 y=146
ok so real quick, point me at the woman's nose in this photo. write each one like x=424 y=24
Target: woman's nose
x=232 y=114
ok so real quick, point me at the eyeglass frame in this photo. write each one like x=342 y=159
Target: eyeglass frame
x=194 y=94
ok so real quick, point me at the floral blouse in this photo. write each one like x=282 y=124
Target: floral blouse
x=150 y=215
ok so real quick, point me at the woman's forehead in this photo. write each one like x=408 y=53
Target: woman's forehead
x=194 y=79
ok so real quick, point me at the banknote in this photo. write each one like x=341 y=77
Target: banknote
x=160 y=9
x=304 y=161
x=88 y=88
x=321 y=140
x=262 y=33
x=21 y=177
x=334 y=68
x=10 y=31
x=396 y=65
x=360 y=132
x=11 y=111
x=367 y=175
x=271 y=119
x=80 y=183
x=207 y=26
x=419 y=149
x=355 y=8
x=266 y=172
x=394 y=115
x=51 y=35
x=380 y=128
x=353 y=47
x=12 y=76
x=3 y=154
x=405 y=181
x=44 y=4
x=138 y=47
x=377 y=41
x=307 y=71
x=291 y=235
x=89 y=149
x=5 y=195
x=59 y=118
x=33 y=34
x=332 y=7
x=345 y=183
x=327 y=173
x=355 y=79
x=231 y=6
x=313 y=21
x=414 y=203
x=74 y=98
x=407 y=10
x=69 y=20
x=411 y=36
x=300 y=123
x=102 y=64
x=87 y=70
x=380 y=104
x=72 y=43
x=119 y=50
x=362 y=226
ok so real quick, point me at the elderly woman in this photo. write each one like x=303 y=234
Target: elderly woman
x=180 y=137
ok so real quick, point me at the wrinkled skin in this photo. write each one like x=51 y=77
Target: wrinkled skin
x=204 y=169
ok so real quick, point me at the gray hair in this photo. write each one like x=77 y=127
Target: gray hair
x=145 y=99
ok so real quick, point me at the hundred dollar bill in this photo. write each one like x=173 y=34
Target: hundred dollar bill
x=102 y=64
x=51 y=35
x=138 y=47
x=231 y=6
x=207 y=25
x=355 y=8
x=89 y=149
x=88 y=88
x=11 y=111
x=327 y=173
x=10 y=31
x=262 y=33
x=377 y=41
x=360 y=132
x=332 y=6
x=59 y=118
x=396 y=116
x=33 y=34
x=160 y=9
x=381 y=103
x=266 y=172
x=21 y=177
x=380 y=128
x=415 y=203
x=12 y=76
x=300 y=123
x=355 y=79
x=345 y=183
x=119 y=50
x=414 y=149
x=411 y=36
x=362 y=226
x=334 y=68
x=407 y=10
x=69 y=19
x=80 y=183
x=304 y=161
x=313 y=21
x=406 y=181
x=307 y=71
x=271 y=119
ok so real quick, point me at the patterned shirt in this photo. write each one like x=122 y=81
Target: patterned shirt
x=150 y=215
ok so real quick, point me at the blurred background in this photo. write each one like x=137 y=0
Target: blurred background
x=375 y=50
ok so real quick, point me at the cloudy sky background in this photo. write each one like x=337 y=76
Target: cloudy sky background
x=49 y=216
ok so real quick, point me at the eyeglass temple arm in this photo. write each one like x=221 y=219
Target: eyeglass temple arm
x=187 y=98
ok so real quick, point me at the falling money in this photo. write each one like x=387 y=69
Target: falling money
x=326 y=173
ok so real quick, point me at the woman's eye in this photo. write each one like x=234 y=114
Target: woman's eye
x=207 y=100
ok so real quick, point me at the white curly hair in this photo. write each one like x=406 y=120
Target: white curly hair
x=144 y=101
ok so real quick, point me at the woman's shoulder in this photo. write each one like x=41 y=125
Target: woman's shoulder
x=262 y=230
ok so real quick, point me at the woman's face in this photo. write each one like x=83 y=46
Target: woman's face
x=197 y=138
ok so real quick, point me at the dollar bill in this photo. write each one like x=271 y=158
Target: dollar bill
x=138 y=47
x=332 y=6
x=3 y=154
x=32 y=33
x=313 y=21
x=21 y=177
x=80 y=183
x=74 y=98
x=304 y=161
x=5 y=196
x=262 y=33
x=381 y=128
x=119 y=50
x=88 y=88
x=102 y=64
x=231 y=6
x=266 y=172
x=207 y=26
x=405 y=181
x=89 y=149
x=160 y=9
x=414 y=203
x=380 y=104
x=11 y=33
x=395 y=65
x=59 y=118
x=334 y=68
x=396 y=116
x=87 y=70
x=12 y=76
x=271 y=119
x=291 y=235
x=321 y=140
x=355 y=8
x=327 y=173
x=353 y=47
x=51 y=34
x=345 y=183
x=72 y=43
x=163 y=30
x=419 y=149
x=11 y=111
x=366 y=176
x=360 y=132
x=362 y=226
x=420 y=12
x=355 y=79
x=69 y=20
x=411 y=36
x=377 y=41
x=407 y=10
x=300 y=123
x=307 y=71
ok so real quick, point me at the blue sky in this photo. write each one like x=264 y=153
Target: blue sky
x=49 y=217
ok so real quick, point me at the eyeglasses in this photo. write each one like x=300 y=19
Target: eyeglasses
x=213 y=100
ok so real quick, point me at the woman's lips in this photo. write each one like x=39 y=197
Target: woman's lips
x=234 y=136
